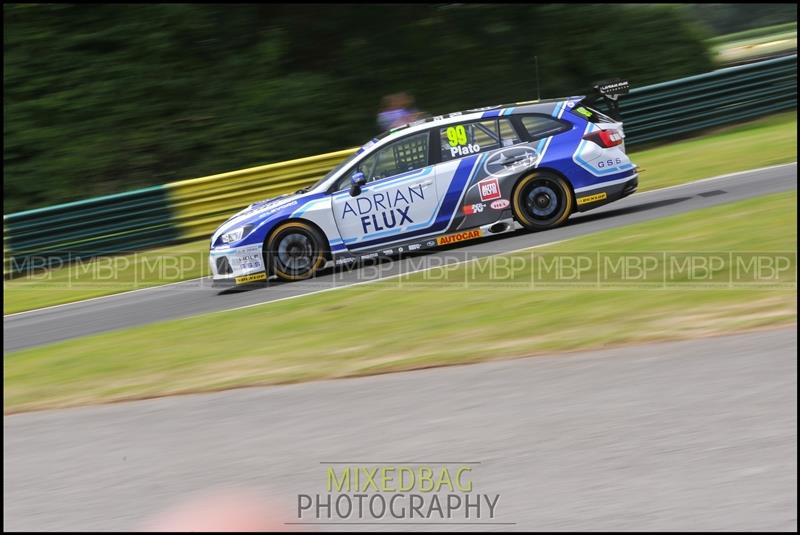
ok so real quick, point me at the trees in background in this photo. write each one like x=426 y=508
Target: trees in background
x=107 y=98
x=730 y=18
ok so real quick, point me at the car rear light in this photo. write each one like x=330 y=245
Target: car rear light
x=605 y=138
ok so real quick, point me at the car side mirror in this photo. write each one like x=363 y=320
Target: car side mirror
x=356 y=181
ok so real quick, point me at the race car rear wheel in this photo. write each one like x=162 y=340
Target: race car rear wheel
x=295 y=251
x=541 y=200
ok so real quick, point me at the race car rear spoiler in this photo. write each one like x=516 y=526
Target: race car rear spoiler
x=609 y=91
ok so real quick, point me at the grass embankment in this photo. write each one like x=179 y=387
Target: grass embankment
x=755 y=43
x=510 y=307
x=755 y=33
x=767 y=141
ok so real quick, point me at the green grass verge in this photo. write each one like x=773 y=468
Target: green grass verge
x=767 y=141
x=446 y=316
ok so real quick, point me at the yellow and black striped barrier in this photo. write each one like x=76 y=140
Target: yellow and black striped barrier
x=199 y=205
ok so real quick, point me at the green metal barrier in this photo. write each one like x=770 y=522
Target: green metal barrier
x=678 y=107
x=102 y=225
x=193 y=208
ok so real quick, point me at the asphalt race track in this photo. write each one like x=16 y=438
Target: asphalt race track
x=43 y=326
x=694 y=435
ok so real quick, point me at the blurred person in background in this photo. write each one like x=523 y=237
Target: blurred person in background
x=397 y=109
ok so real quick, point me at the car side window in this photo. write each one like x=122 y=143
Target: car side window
x=406 y=154
x=539 y=126
x=459 y=140
x=508 y=135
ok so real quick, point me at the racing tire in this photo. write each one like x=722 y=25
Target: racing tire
x=294 y=251
x=541 y=200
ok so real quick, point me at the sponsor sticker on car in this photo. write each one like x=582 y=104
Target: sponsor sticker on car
x=459 y=237
x=251 y=278
x=509 y=161
x=489 y=189
x=476 y=208
x=500 y=204
x=591 y=198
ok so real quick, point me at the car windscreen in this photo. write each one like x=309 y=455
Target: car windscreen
x=335 y=170
x=368 y=145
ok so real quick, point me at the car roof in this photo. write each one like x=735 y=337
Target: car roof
x=530 y=106
x=504 y=110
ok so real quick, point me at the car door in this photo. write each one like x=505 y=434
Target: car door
x=476 y=159
x=398 y=200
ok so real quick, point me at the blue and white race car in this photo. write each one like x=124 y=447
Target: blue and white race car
x=436 y=182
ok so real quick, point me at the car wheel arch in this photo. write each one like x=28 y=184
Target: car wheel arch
x=559 y=174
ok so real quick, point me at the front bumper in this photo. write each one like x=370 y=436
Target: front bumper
x=236 y=266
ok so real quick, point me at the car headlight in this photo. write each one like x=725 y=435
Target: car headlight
x=236 y=234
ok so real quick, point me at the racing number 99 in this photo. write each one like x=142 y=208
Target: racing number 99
x=457 y=135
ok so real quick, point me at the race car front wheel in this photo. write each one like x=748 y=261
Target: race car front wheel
x=542 y=200
x=294 y=251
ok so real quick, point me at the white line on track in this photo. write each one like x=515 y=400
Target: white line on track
x=73 y=303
